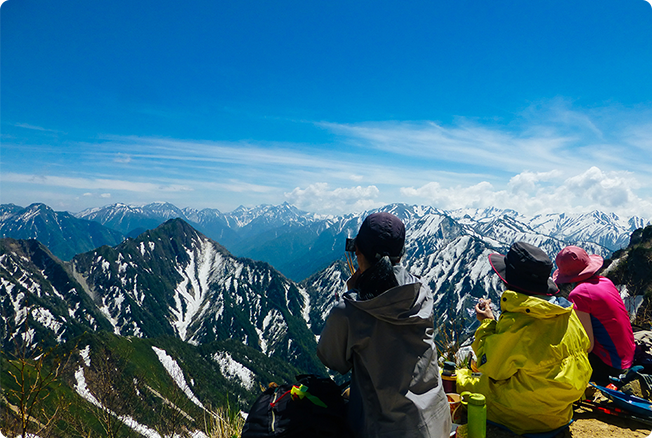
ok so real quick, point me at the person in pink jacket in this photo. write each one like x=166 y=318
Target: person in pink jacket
x=601 y=310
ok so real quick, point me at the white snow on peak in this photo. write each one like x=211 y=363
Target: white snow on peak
x=49 y=321
x=73 y=310
x=122 y=267
x=105 y=309
x=175 y=371
x=261 y=340
x=275 y=327
x=191 y=293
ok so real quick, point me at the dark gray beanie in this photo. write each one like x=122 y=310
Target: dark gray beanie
x=381 y=234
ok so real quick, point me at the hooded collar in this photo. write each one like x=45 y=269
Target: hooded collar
x=534 y=306
x=402 y=304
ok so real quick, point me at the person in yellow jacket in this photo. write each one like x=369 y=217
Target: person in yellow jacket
x=533 y=360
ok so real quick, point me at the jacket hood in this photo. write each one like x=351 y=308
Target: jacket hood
x=408 y=303
x=533 y=305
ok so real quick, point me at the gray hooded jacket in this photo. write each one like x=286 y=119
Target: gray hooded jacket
x=396 y=389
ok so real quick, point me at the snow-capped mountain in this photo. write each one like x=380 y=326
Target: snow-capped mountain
x=172 y=285
x=300 y=243
x=631 y=271
x=63 y=234
x=127 y=218
x=264 y=217
x=604 y=229
x=40 y=298
x=448 y=250
x=175 y=281
x=450 y=256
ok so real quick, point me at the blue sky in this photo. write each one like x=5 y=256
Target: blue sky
x=332 y=106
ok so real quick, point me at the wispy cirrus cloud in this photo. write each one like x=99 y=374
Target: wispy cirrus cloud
x=543 y=138
x=34 y=128
x=261 y=154
x=92 y=183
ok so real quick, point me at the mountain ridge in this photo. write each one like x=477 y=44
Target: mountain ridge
x=299 y=243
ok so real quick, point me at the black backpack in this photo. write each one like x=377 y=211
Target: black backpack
x=313 y=407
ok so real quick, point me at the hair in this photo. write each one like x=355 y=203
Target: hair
x=565 y=289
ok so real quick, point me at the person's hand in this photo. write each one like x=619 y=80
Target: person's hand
x=350 y=283
x=483 y=311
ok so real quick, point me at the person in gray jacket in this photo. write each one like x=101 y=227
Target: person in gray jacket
x=383 y=330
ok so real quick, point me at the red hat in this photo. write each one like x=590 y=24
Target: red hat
x=575 y=265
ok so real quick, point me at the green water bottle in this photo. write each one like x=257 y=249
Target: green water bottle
x=477 y=415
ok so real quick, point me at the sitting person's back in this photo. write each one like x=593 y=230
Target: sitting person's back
x=601 y=310
x=383 y=331
x=533 y=359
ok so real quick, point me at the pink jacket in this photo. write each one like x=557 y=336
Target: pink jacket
x=612 y=330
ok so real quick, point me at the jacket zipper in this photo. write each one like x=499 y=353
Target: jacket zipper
x=273 y=414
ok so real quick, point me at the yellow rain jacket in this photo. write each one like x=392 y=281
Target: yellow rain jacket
x=533 y=362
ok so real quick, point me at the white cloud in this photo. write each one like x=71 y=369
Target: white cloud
x=264 y=154
x=528 y=181
x=478 y=195
x=532 y=193
x=613 y=189
x=175 y=188
x=638 y=137
x=240 y=187
x=105 y=195
x=319 y=197
x=464 y=144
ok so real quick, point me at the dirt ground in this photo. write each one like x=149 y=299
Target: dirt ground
x=589 y=424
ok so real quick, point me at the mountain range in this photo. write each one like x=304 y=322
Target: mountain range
x=296 y=243
x=243 y=319
x=300 y=244
x=64 y=234
x=448 y=250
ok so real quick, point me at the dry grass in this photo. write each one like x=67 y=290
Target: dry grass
x=225 y=422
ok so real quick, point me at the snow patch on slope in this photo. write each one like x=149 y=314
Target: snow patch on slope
x=232 y=369
x=82 y=389
x=86 y=355
x=191 y=293
x=174 y=370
